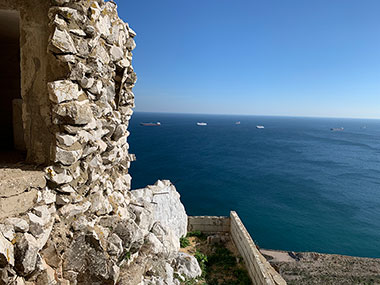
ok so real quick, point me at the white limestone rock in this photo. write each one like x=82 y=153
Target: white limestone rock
x=187 y=265
x=73 y=113
x=78 y=32
x=168 y=209
x=20 y=225
x=43 y=212
x=168 y=239
x=66 y=140
x=82 y=223
x=36 y=224
x=72 y=210
x=116 y=53
x=87 y=83
x=67 y=189
x=58 y=175
x=26 y=254
x=46 y=196
x=130 y=45
x=115 y=245
x=132 y=33
x=67 y=157
x=8 y=231
x=156 y=247
x=63 y=42
x=63 y=200
x=97 y=87
x=100 y=205
x=63 y=90
x=104 y=25
x=6 y=252
x=144 y=217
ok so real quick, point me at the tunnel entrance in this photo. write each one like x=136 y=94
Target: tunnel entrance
x=12 y=145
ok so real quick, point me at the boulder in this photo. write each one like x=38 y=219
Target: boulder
x=187 y=265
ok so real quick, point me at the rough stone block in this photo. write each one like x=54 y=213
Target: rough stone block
x=18 y=204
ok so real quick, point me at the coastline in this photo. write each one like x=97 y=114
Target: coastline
x=321 y=268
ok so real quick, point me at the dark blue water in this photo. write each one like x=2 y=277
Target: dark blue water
x=296 y=184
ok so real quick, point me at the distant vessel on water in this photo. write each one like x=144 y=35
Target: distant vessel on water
x=337 y=129
x=259 y=127
x=237 y=123
x=150 y=124
x=201 y=124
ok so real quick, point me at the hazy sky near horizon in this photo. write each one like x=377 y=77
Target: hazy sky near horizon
x=259 y=57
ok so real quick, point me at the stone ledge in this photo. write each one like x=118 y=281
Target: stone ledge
x=14 y=181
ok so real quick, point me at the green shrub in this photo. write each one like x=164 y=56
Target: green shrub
x=184 y=242
x=197 y=234
x=202 y=260
x=243 y=276
x=222 y=257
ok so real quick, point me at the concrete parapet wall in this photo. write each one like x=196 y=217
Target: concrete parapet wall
x=209 y=224
x=259 y=269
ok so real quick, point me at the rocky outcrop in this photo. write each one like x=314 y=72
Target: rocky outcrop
x=85 y=243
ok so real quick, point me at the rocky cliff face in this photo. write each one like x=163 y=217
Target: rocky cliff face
x=80 y=244
x=83 y=224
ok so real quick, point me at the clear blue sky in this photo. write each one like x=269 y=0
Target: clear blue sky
x=259 y=57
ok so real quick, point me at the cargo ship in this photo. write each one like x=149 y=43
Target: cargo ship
x=150 y=124
x=337 y=129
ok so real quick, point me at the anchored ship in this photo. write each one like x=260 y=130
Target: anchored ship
x=337 y=129
x=150 y=124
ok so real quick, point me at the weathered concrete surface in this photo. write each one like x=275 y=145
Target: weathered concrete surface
x=19 y=189
x=14 y=181
x=18 y=204
x=18 y=126
x=35 y=71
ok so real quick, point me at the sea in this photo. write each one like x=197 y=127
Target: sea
x=296 y=184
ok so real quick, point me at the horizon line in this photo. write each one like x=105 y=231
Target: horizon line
x=253 y=115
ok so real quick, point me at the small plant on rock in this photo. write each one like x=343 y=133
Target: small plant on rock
x=197 y=234
x=184 y=242
x=202 y=260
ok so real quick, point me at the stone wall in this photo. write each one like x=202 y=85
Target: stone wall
x=209 y=224
x=91 y=104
